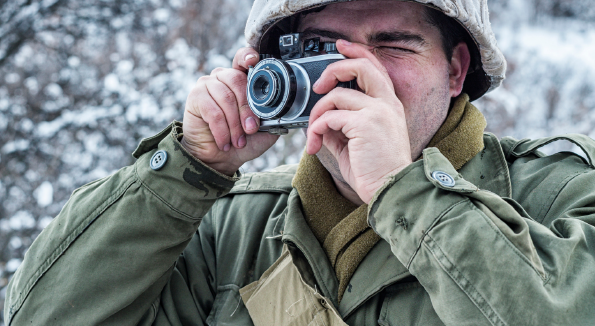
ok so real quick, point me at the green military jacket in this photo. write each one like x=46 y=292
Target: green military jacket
x=512 y=242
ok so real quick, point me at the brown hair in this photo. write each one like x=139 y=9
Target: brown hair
x=451 y=34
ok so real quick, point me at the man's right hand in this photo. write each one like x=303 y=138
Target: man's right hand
x=219 y=127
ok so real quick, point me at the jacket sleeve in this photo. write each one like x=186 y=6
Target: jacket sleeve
x=481 y=258
x=106 y=258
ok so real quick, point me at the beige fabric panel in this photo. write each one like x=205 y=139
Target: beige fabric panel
x=282 y=298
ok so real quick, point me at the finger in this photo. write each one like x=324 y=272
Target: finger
x=369 y=78
x=228 y=104
x=244 y=58
x=212 y=114
x=357 y=50
x=217 y=70
x=236 y=81
x=329 y=122
x=342 y=99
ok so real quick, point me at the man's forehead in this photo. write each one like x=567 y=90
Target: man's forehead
x=367 y=17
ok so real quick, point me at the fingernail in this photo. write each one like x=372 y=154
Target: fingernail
x=345 y=42
x=250 y=124
x=226 y=148
x=316 y=84
x=242 y=141
x=249 y=56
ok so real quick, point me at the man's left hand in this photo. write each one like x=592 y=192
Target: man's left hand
x=366 y=130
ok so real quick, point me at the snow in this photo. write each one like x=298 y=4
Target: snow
x=15 y=146
x=44 y=222
x=112 y=83
x=21 y=220
x=44 y=194
x=13 y=264
x=12 y=78
x=15 y=242
x=53 y=90
x=161 y=15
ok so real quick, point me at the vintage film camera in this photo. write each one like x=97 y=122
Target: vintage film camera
x=280 y=91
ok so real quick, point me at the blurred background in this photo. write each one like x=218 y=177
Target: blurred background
x=83 y=81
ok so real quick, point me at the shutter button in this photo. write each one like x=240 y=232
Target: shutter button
x=443 y=178
x=158 y=160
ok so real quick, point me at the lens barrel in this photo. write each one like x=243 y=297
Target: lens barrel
x=271 y=88
x=265 y=87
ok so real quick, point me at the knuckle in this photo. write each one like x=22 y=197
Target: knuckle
x=216 y=71
x=238 y=80
x=195 y=94
x=228 y=97
x=202 y=80
x=214 y=114
x=337 y=91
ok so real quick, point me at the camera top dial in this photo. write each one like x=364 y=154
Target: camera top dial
x=271 y=88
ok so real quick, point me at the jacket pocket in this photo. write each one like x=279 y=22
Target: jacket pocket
x=407 y=304
x=228 y=308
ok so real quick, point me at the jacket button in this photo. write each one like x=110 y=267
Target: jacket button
x=443 y=178
x=158 y=160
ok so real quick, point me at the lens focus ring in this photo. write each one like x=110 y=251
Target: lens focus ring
x=265 y=87
x=271 y=88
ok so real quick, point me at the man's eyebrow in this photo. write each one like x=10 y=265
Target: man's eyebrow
x=382 y=37
x=309 y=32
x=397 y=36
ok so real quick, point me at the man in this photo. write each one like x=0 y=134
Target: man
x=469 y=230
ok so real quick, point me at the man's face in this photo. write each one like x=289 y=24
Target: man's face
x=409 y=48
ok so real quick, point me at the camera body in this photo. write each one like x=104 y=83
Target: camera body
x=280 y=91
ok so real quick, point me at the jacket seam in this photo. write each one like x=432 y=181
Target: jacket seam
x=496 y=230
x=374 y=292
x=154 y=308
x=418 y=319
x=503 y=166
x=65 y=244
x=431 y=227
x=441 y=258
x=313 y=266
x=555 y=194
x=216 y=211
x=228 y=287
x=261 y=189
x=231 y=287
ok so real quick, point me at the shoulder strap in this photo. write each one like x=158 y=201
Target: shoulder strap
x=527 y=146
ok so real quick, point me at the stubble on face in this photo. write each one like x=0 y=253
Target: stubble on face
x=431 y=113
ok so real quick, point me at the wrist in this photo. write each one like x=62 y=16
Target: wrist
x=225 y=167
x=381 y=183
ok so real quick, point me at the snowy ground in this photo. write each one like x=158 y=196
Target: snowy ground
x=92 y=79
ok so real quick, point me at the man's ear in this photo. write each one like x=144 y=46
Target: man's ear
x=459 y=65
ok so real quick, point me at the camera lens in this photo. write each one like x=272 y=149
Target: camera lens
x=261 y=87
x=271 y=88
x=264 y=87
